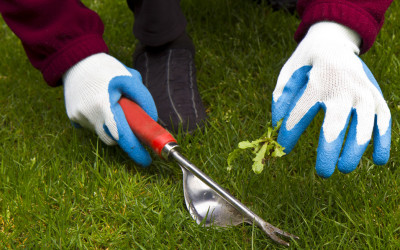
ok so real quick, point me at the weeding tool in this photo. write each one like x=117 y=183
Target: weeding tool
x=207 y=202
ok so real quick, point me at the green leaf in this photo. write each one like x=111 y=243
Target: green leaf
x=269 y=132
x=258 y=167
x=258 y=160
x=232 y=156
x=278 y=151
x=278 y=125
x=245 y=144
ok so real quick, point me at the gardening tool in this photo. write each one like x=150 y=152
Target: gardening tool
x=207 y=202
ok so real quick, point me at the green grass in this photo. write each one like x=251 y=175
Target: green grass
x=62 y=188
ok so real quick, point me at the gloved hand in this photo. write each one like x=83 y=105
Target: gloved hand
x=326 y=72
x=92 y=89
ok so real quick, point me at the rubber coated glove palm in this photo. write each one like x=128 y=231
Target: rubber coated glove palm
x=326 y=72
x=92 y=89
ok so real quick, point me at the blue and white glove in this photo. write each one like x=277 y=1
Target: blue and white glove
x=325 y=72
x=92 y=89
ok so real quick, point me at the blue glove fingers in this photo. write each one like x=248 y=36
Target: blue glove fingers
x=132 y=88
x=352 y=151
x=281 y=107
x=381 y=152
x=328 y=152
x=289 y=138
x=128 y=141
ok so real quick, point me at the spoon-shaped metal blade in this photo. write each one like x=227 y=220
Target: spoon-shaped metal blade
x=206 y=206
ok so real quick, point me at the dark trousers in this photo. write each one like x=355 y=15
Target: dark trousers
x=157 y=22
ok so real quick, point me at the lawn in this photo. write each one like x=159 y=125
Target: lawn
x=61 y=187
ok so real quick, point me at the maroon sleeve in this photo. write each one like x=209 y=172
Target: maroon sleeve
x=364 y=16
x=55 y=34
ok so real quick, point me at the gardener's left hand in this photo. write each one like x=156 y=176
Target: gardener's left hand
x=92 y=90
x=326 y=72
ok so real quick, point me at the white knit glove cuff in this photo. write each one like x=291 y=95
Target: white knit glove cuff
x=335 y=33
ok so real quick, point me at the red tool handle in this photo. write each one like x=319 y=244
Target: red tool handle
x=144 y=127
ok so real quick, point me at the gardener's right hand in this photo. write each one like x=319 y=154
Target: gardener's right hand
x=92 y=89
